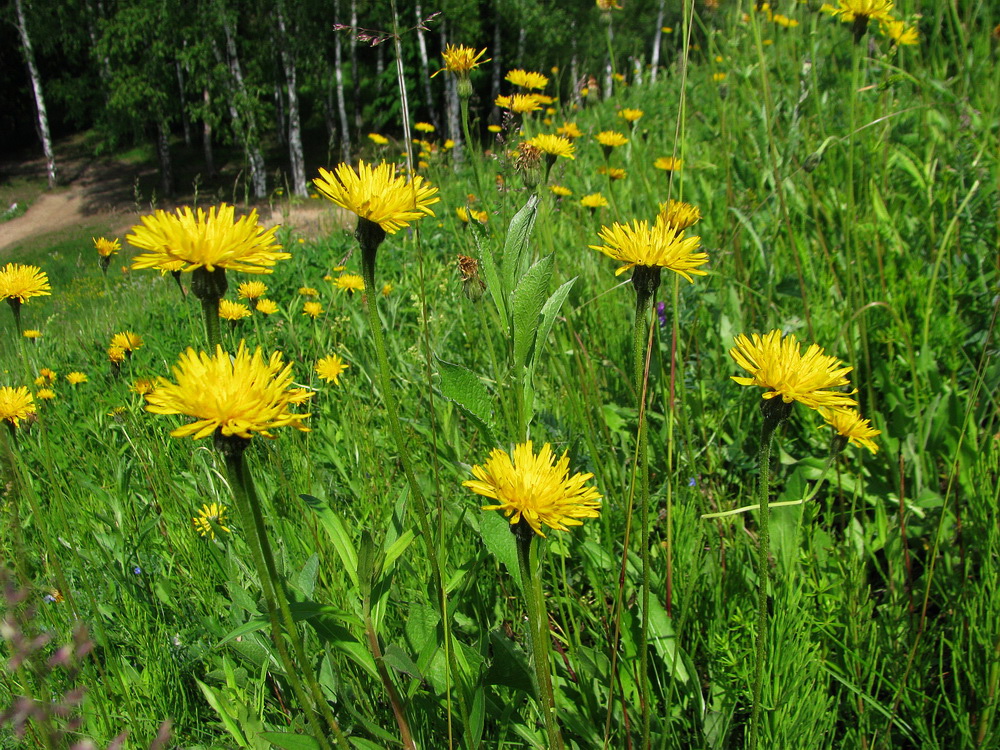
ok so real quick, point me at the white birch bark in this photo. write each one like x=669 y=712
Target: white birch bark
x=355 y=74
x=163 y=156
x=295 y=153
x=251 y=141
x=206 y=134
x=36 y=87
x=657 y=41
x=452 y=110
x=338 y=74
x=425 y=73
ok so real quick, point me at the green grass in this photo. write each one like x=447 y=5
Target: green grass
x=883 y=599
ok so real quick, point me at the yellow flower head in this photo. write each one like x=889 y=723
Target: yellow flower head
x=330 y=368
x=461 y=60
x=186 y=240
x=630 y=115
x=386 y=289
x=127 y=341
x=142 y=386
x=519 y=103
x=45 y=394
x=776 y=363
x=350 y=282
x=31 y=333
x=681 y=215
x=594 y=200
x=537 y=489
x=494 y=128
x=251 y=290
x=570 y=130
x=424 y=127
x=527 y=80
x=266 y=306
x=76 y=378
x=210 y=518
x=661 y=246
x=784 y=21
x=312 y=309
x=378 y=194
x=116 y=355
x=233 y=311
x=239 y=395
x=48 y=374
x=379 y=140
x=105 y=247
x=613 y=173
x=851 y=10
x=849 y=424
x=561 y=191
x=608 y=5
x=308 y=291
x=554 y=145
x=611 y=138
x=668 y=163
x=15 y=404
x=20 y=283
x=900 y=33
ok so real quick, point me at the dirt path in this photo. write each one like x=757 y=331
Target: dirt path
x=49 y=213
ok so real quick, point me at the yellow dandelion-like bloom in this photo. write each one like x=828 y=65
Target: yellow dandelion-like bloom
x=251 y=290
x=608 y=5
x=849 y=424
x=614 y=173
x=461 y=60
x=330 y=368
x=494 y=128
x=554 y=145
x=519 y=103
x=784 y=21
x=48 y=374
x=463 y=213
x=682 y=215
x=233 y=311
x=594 y=200
x=900 y=33
x=776 y=363
x=448 y=145
x=659 y=246
x=668 y=163
x=127 y=340
x=105 y=247
x=31 y=333
x=570 y=130
x=142 y=386
x=186 y=240
x=45 y=394
x=76 y=378
x=350 y=282
x=378 y=194
x=116 y=355
x=212 y=516
x=16 y=404
x=266 y=306
x=611 y=138
x=41 y=380
x=308 y=291
x=20 y=283
x=379 y=140
x=630 y=115
x=852 y=10
x=718 y=77
x=527 y=80
x=424 y=127
x=537 y=489
x=312 y=309
x=561 y=191
x=387 y=289
x=240 y=395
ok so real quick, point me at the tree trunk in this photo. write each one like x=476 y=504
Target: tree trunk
x=425 y=73
x=636 y=70
x=657 y=40
x=379 y=68
x=36 y=87
x=251 y=141
x=338 y=72
x=452 y=110
x=329 y=117
x=295 y=152
x=185 y=122
x=279 y=114
x=163 y=155
x=355 y=70
x=206 y=134
x=497 y=56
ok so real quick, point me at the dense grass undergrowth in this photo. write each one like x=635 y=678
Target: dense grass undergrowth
x=849 y=196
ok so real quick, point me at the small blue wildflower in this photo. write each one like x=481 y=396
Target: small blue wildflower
x=692 y=482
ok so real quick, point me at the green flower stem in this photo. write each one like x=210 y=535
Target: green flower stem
x=398 y=711
x=248 y=506
x=213 y=331
x=369 y=236
x=774 y=414
x=538 y=624
x=645 y=280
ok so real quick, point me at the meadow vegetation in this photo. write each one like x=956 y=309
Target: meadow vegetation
x=335 y=583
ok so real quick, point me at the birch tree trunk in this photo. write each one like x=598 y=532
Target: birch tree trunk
x=185 y=122
x=338 y=73
x=163 y=156
x=425 y=72
x=657 y=41
x=279 y=113
x=36 y=87
x=355 y=75
x=251 y=140
x=295 y=153
x=497 y=55
x=206 y=134
x=452 y=111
